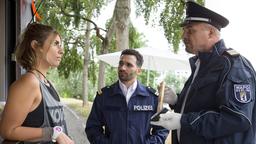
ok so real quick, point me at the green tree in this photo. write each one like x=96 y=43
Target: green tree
x=72 y=20
x=175 y=82
x=170 y=19
x=171 y=15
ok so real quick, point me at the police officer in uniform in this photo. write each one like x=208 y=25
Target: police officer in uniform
x=121 y=112
x=217 y=103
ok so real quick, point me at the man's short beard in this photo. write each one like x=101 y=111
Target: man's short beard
x=127 y=78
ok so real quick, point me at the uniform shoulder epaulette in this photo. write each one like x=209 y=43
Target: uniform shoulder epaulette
x=99 y=92
x=232 y=52
x=153 y=91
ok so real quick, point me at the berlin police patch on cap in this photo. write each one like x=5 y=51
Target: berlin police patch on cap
x=242 y=92
x=198 y=13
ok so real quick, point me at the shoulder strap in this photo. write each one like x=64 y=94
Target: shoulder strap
x=151 y=90
x=36 y=76
x=231 y=52
x=227 y=54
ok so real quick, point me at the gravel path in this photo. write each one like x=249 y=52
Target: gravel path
x=76 y=126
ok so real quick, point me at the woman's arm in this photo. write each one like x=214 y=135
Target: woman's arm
x=24 y=96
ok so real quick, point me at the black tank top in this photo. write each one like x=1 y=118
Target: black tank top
x=36 y=117
x=53 y=111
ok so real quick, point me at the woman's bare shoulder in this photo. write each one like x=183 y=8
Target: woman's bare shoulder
x=27 y=82
x=27 y=79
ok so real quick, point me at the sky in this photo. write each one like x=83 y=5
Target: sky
x=239 y=34
x=241 y=31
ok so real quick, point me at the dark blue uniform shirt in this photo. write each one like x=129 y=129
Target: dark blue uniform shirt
x=220 y=107
x=112 y=121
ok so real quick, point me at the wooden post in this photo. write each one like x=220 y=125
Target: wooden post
x=161 y=96
x=160 y=107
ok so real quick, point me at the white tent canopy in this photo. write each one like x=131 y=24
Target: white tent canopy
x=154 y=59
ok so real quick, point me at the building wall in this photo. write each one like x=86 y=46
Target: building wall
x=2 y=51
x=14 y=17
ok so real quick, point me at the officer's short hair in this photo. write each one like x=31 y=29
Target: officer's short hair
x=135 y=53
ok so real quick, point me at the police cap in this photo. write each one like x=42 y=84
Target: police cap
x=198 y=13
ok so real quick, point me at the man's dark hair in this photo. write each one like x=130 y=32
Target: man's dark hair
x=138 y=56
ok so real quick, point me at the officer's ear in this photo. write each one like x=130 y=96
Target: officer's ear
x=139 y=70
x=212 y=31
x=213 y=34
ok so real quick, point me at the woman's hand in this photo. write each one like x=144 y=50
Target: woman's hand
x=64 y=139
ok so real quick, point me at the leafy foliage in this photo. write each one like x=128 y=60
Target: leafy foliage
x=67 y=87
x=171 y=15
x=175 y=82
x=71 y=87
x=68 y=17
x=152 y=75
x=71 y=62
x=171 y=18
x=111 y=75
x=136 y=39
